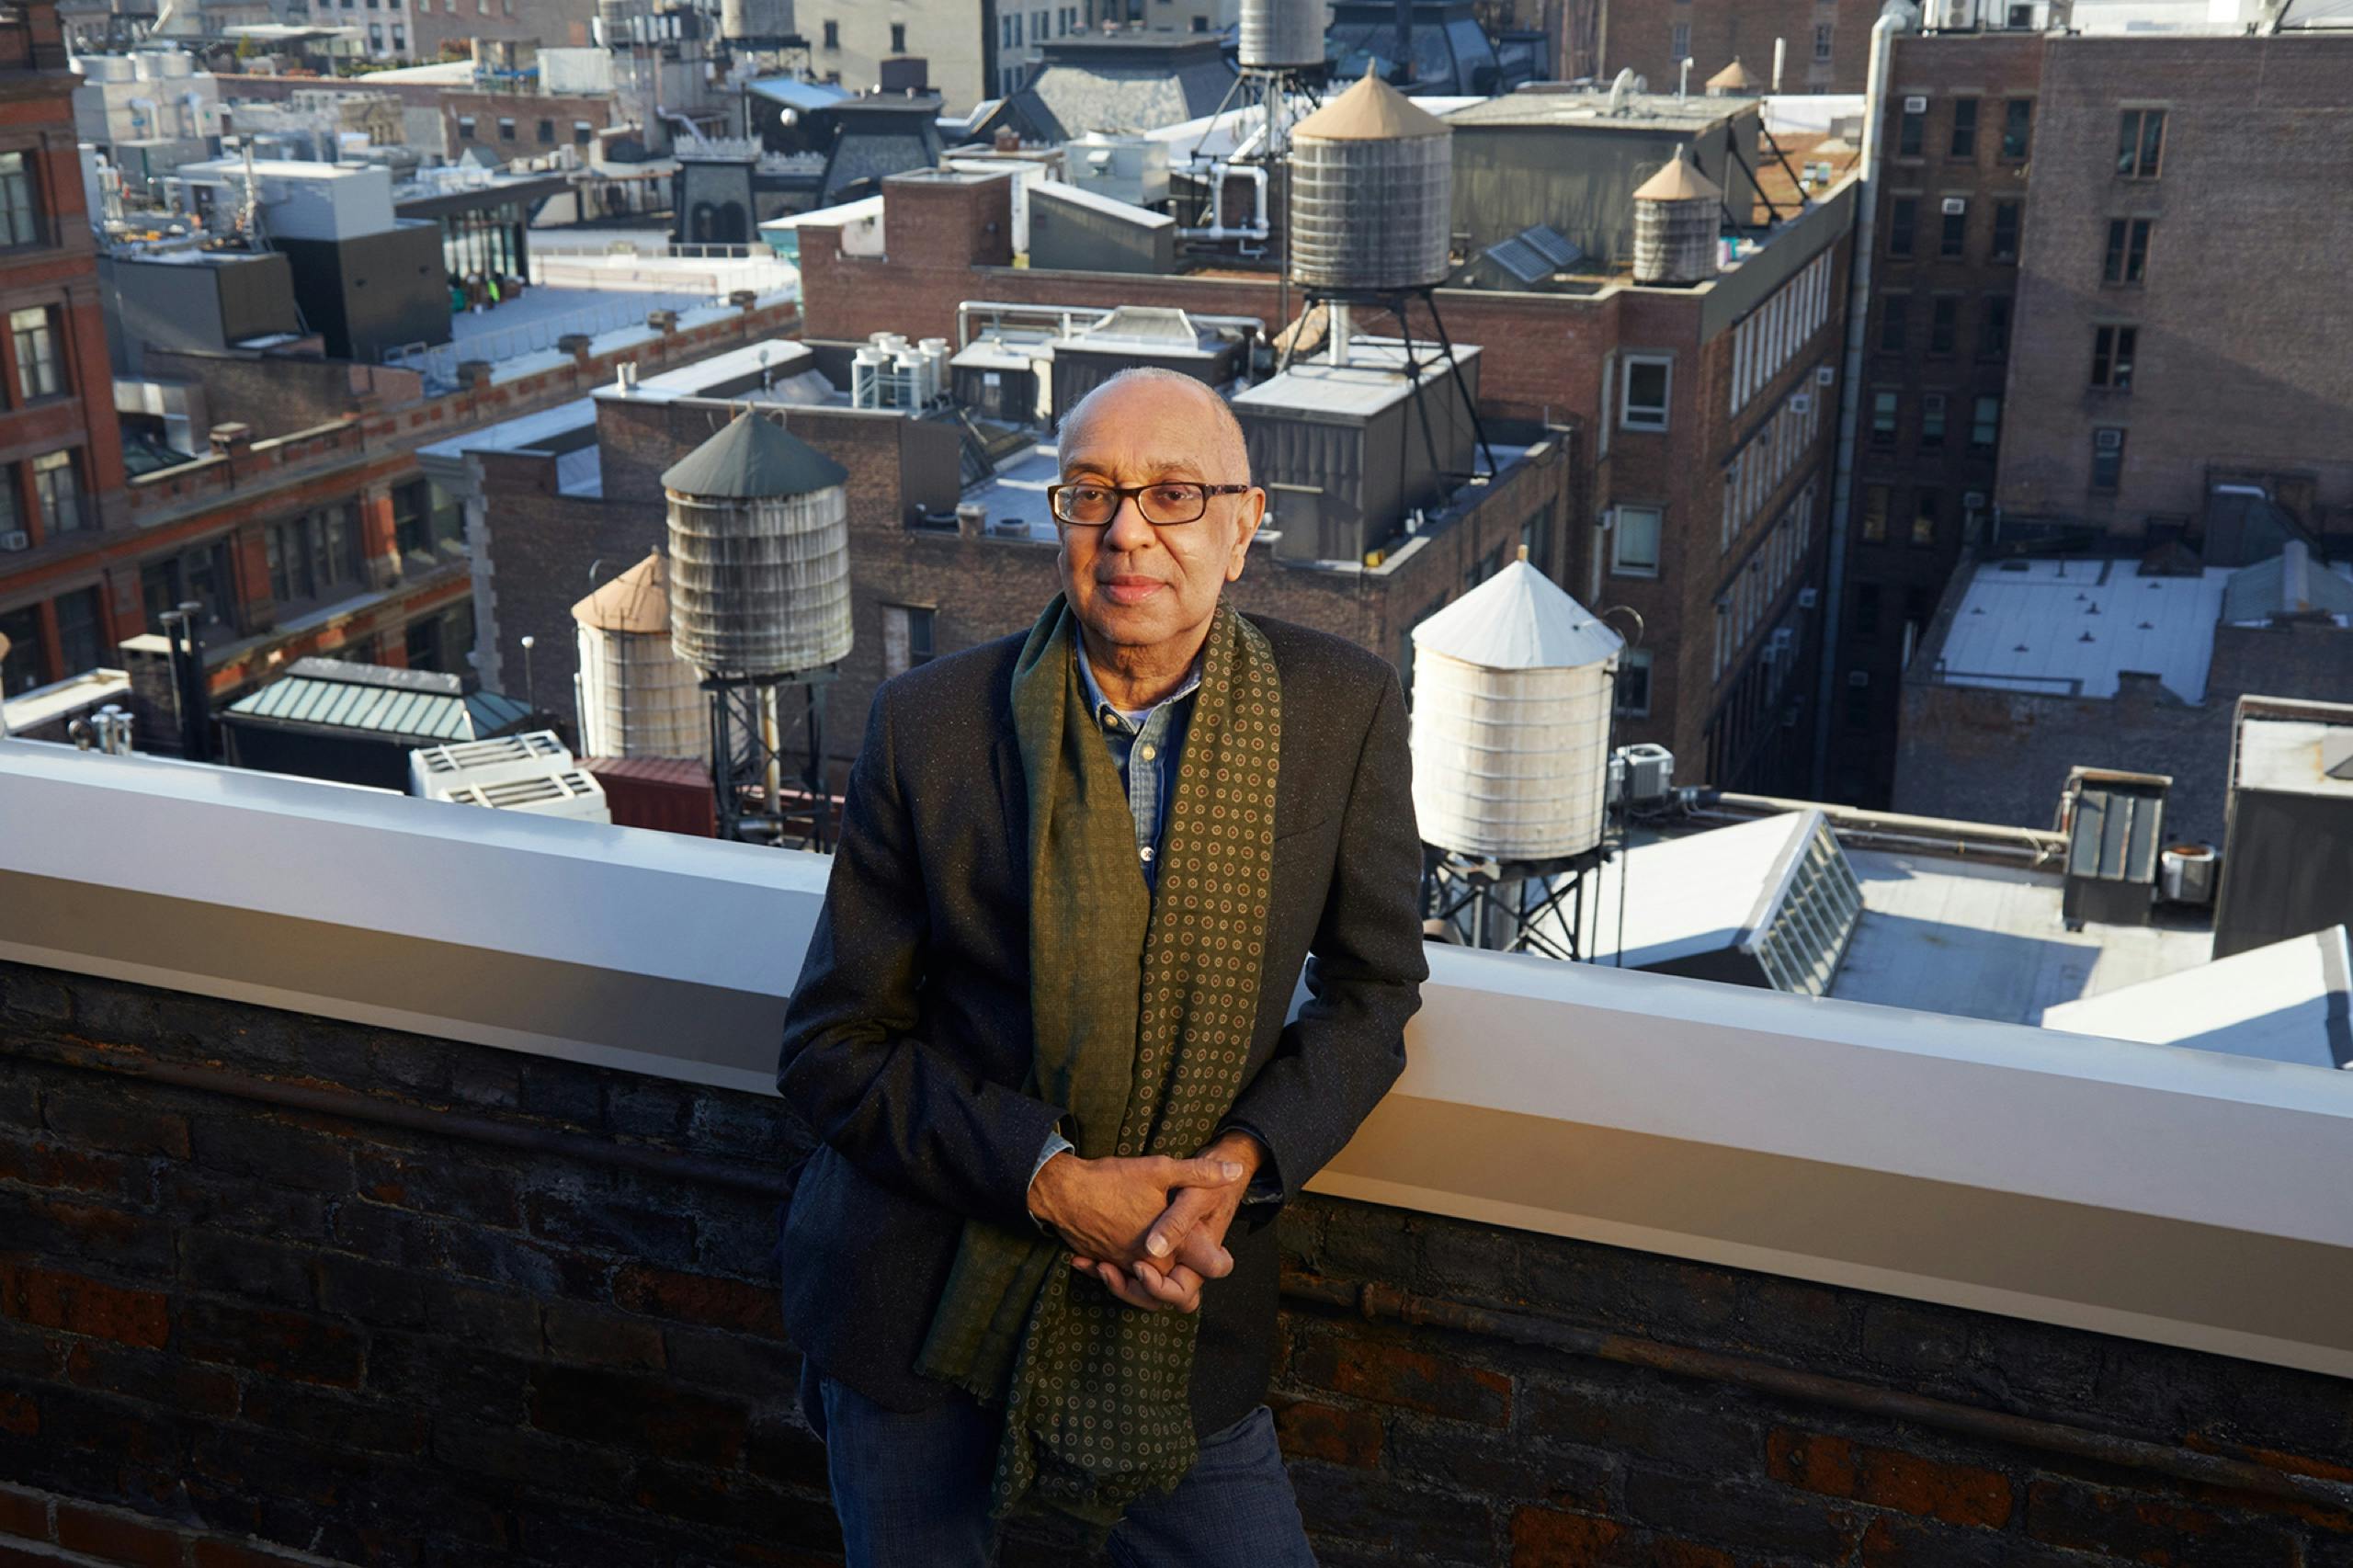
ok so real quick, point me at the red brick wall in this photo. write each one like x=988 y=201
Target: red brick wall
x=1640 y=35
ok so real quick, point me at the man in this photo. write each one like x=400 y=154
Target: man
x=1039 y=1032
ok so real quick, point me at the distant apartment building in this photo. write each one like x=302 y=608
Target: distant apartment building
x=1024 y=29
x=1825 y=43
x=61 y=453
x=957 y=40
x=2102 y=317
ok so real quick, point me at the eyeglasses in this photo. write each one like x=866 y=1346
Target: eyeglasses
x=1093 y=505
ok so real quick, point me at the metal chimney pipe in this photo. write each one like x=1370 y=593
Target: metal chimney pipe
x=1683 y=81
x=1780 y=57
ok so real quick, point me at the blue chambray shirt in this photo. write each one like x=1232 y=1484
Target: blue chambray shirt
x=1146 y=744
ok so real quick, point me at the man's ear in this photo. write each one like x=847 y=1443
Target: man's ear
x=1254 y=512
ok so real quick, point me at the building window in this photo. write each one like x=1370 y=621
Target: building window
x=834 y=34
x=200 y=575
x=1994 y=326
x=1867 y=610
x=1644 y=403
x=1634 y=684
x=35 y=332
x=57 y=493
x=412 y=517
x=546 y=134
x=1964 y=128
x=1633 y=542
x=1895 y=323
x=81 y=631
x=311 y=556
x=1912 y=130
x=1903 y=223
x=20 y=670
x=1954 y=239
x=2005 y=230
x=1859 y=700
x=19 y=212
x=1884 y=405
x=2107 y=460
x=2018 y=128
x=1932 y=420
x=400 y=39
x=2128 y=250
x=906 y=638
x=1923 y=519
x=1822 y=44
x=1874 y=514
x=1680 y=43
x=2140 y=142
x=505 y=128
x=1944 y=323
x=465 y=127
x=1985 y=423
x=2112 y=357
x=583 y=133
x=898 y=37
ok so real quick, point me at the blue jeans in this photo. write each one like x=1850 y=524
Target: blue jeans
x=912 y=1490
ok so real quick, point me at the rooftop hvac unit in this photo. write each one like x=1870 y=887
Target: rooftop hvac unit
x=1642 y=775
x=433 y=771
x=570 y=794
x=1955 y=205
x=2108 y=440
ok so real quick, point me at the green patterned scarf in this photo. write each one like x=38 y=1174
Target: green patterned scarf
x=1095 y=1391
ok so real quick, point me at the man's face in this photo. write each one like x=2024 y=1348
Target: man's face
x=1130 y=583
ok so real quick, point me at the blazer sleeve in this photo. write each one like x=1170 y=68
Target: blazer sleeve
x=901 y=1110
x=1365 y=969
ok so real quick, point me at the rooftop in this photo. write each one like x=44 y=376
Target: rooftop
x=2301 y=756
x=1373 y=379
x=2073 y=626
x=1547 y=103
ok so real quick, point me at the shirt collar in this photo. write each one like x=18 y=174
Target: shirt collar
x=1097 y=702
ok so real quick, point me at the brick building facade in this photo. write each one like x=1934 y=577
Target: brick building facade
x=1827 y=42
x=1958 y=145
x=61 y=450
x=1715 y=481
x=2179 y=311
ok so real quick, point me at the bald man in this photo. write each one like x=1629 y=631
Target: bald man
x=1042 y=1036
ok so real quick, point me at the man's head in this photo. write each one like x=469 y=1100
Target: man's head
x=1132 y=582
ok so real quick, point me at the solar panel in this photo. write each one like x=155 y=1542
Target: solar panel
x=1553 y=244
x=1520 y=259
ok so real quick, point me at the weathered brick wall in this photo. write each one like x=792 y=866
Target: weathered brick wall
x=1639 y=35
x=502 y=1307
x=2242 y=343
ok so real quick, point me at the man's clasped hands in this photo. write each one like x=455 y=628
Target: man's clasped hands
x=1151 y=1229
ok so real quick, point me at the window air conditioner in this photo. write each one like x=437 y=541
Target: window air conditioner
x=2108 y=440
x=1956 y=204
x=1825 y=374
x=1916 y=106
x=1809 y=597
x=16 y=538
x=1801 y=403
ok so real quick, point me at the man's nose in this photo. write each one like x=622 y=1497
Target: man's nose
x=1127 y=530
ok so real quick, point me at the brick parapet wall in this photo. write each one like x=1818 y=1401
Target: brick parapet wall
x=522 y=1310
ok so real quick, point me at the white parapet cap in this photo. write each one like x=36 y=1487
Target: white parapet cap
x=2178 y=1196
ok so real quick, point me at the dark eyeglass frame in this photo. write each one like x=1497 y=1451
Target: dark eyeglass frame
x=1135 y=493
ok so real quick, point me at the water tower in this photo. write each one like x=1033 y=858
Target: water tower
x=1676 y=224
x=1514 y=684
x=636 y=697
x=1372 y=225
x=759 y=604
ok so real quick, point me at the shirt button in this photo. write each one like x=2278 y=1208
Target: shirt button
x=1110 y=721
x=1146 y=852
x=1150 y=752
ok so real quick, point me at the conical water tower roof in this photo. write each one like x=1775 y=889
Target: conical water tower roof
x=1732 y=78
x=1679 y=181
x=637 y=600
x=754 y=457
x=1372 y=110
x=1518 y=620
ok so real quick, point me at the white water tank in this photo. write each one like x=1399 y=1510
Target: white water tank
x=637 y=697
x=759 y=554
x=1280 y=35
x=1513 y=685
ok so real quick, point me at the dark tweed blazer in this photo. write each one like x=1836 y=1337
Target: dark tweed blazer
x=907 y=1041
